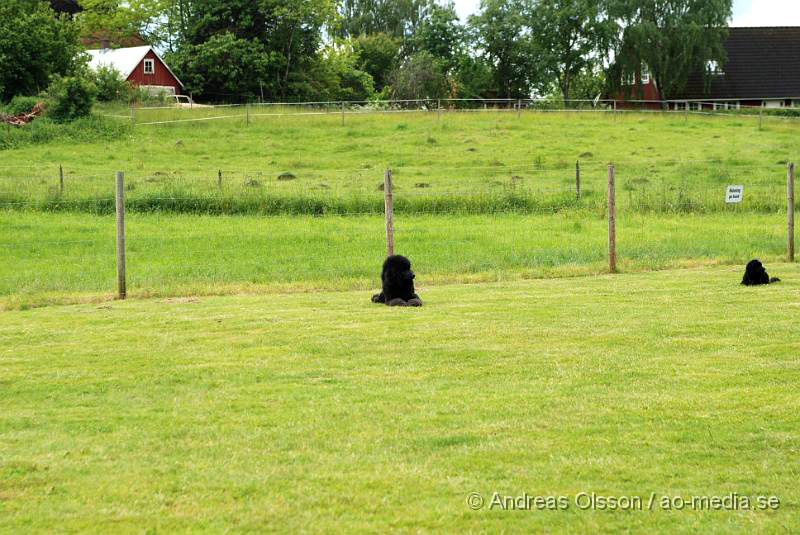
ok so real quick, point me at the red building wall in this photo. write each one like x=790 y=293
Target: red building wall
x=161 y=76
x=639 y=92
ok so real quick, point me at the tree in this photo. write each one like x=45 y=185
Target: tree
x=502 y=33
x=672 y=38
x=473 y=78
x=377 y=54
x=280 y=37
x=226 y=68
x=569 y=37
x=441 y=34
x=113 y=19
x=337 y=76
x=420 y=76
x=35 y=45
x=398 y=18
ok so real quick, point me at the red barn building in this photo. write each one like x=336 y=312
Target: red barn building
x=139 y=65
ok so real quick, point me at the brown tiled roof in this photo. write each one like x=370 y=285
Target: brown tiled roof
x=762 y=63
x=96 y=41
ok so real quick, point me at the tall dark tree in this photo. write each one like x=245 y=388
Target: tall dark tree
x=285 y=35
x=570 y=37
x=441 y=34
x=398 y=18
x=671 y=37
x=35 y=45
x=502 y=33
x=378 y=54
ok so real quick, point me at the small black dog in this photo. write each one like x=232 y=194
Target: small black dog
x=755 y=274
x=398 y=284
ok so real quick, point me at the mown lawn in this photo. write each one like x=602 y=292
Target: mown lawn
x=323 y=413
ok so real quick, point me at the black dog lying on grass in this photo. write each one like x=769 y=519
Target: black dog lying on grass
x=398 y=284
x=755 y=274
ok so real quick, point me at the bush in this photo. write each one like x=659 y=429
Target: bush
x=20 y=105
x=110 y=84
x=71 y=98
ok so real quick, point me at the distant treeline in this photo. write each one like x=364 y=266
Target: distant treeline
x=315 y=50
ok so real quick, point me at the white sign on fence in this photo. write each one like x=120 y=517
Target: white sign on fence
x=734 y=194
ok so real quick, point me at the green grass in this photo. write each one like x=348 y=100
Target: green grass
x=455 y=162
x=69 y=257
x=323 y=413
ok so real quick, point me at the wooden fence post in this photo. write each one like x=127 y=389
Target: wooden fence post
x=612 y=220
x=519 y=108
x=247 y=114
x=120 y=198
x=219 y=179
x=389 y=211
x=790 y=209
x=342 y=113
x=61 y=179
x=578 y=179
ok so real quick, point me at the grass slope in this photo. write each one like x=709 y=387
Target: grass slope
x=322 y=413
x=664 y=162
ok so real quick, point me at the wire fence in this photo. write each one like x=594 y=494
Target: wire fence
x=192 y=113
x=523 y=229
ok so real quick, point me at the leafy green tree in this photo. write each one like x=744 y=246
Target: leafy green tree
x=441 y=34
x=337 y=77
x=226 y=67
x=398 y=18
x=502 y=33
x=377 y=54
x=473 y=78
x=569 y=37
x=35 y=44
x=280 y=39
x=117 y=20
x=672 y=38
x=421 y=76
x=589 y=83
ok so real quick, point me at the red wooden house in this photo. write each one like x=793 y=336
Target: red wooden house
x=762 y=70
x=139 y=65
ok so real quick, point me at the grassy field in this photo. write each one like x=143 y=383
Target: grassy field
x=70 y=257
x=249 y=386
x=664 y=162
x=322 y=413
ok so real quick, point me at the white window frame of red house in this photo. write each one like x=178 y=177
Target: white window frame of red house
x=645 y=74
x=714 y=68
x=152 y=64
x=628 y=79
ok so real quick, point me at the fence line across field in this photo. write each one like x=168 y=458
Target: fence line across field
x=508 y=165
x=435 y=105
x=389 y=219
